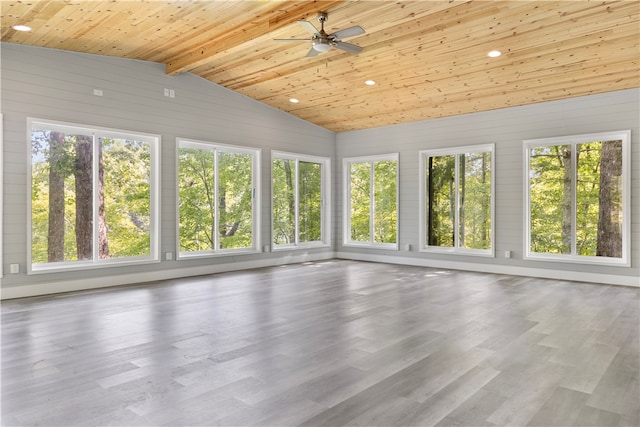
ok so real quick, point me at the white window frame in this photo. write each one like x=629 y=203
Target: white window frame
x=573 y=140
x=154 y=184
x=255 y=208
x=346 y=167
x=1 y=194
x=325 y=225
x=422 y=228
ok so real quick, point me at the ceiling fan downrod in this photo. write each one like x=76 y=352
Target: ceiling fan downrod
x=321 y=42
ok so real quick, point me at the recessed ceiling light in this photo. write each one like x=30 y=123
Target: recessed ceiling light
x=494 y=54
x=293 y=101
x=21 y=28
x=369 y=82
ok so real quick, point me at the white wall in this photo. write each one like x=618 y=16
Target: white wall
x=58 y=85
x=507 y=128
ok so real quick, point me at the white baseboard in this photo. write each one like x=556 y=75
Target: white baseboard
x=577 y=276
x=55 y=287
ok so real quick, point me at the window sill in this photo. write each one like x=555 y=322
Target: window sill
x=213 y=254
x=571 y=259
x=459 y=252
x=84 y=266
x=298 y=247
x=383 y=246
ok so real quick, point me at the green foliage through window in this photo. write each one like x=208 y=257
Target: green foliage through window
x=90 y=195
x=298 y=207
x=372 y=200
x=360 y=202
x=576 y=198
x=216 y=197
x=458 y=198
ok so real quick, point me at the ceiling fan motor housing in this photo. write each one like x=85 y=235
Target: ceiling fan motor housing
x=323 y=42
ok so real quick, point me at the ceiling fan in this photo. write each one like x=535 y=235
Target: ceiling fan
x=322 y=42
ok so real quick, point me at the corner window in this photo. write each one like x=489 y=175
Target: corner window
x=371 y=201
x=577 y=198
x=217 y=199
x=456 y=195
x=300 y=198
x=94 y=197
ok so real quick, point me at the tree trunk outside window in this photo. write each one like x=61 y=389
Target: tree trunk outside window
x=55 y=234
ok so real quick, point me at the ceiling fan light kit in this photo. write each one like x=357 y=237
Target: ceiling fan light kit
x=320 y=46
x=322 y=42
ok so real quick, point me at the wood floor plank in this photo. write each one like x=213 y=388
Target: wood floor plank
x=444 y=402
x=474 y=411
x=619 y=389
x=591 y=362
x=326 y=343
x=561 y=409
x=593 y=417
x=521 y=407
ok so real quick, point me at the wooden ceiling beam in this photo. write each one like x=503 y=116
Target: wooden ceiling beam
x=279 y=16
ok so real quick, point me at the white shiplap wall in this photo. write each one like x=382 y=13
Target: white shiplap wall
x=507 y=128
x=53 y=84
x=58 y=85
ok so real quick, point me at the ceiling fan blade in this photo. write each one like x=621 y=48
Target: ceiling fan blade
x=291 y=40
x=348 y=47
x=309 y=27
x=312 y=53
x=348 y=32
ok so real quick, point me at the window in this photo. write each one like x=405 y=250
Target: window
x=94 y=197
x=577 y=198
x=301 y=208
x=371 y=201
x=217 y=199
x=1 y=195
x=456 y=194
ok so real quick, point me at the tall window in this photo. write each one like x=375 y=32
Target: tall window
x=94 y=196
x=457 y=200
x=2 y=194
x=217 y=199
x=301 y=208
x=577 y=198
x=371 y=201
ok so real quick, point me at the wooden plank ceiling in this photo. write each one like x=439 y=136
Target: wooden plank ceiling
x=428 y=58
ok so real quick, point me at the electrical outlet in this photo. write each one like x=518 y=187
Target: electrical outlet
x=15 y=268
x=98 y=92
x=507 y=254
x=168 y=256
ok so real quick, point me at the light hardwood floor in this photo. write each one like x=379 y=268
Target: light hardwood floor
x=326 y=343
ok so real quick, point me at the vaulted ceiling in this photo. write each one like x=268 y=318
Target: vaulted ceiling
x=428 y=58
